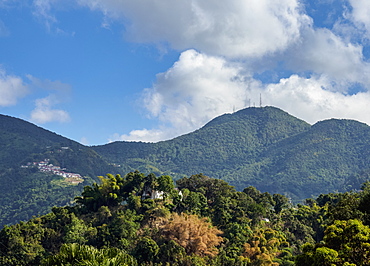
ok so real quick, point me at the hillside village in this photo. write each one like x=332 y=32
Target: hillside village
x=46 y=167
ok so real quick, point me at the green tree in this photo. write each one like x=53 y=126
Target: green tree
x=146 y=250
x=280 y=202
x=120 y=232
x=82 y=255
x=325 y=257
x=346 y=242
x=194 y=203
x=77 y=231
x=171 y=252
x=211 y=188
x=166 y=185
x=22 y=243
x=345 y=207
x=317 y=256
x=105 y=194
x=351 y=239
x=133 y=184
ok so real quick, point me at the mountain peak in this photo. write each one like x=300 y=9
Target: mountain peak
x=262 y=114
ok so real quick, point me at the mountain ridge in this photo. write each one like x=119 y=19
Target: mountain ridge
x=263 y=147
x=257 y=132
x=25 y=189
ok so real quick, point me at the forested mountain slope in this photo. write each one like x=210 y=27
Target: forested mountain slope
x=263 y=147
x=25 y=190
x=220 y=145
x=329 y=156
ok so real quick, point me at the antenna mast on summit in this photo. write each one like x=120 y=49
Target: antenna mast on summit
x=260 y=99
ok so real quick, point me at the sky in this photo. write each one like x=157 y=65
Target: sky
x=98 y=71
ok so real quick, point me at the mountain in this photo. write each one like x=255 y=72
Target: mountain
x=222 y=144
x=25 y=151
x=330 y=156
x=262 y=147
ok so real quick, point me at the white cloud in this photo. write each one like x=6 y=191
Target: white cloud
x=360 y=14
x=12 y=88
x=152 y=135
x=322 y=52
x=232 y=28
x=260 y=34
x=44 y=111
x=257 y=29
x=198 y=88
x=313 y=100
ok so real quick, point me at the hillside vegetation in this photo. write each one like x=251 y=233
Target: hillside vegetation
x=204 y=221
x=262 y=147
x=27 y=191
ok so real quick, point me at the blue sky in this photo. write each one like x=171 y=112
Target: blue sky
x=147 y=70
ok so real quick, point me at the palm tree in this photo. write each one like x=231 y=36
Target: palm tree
x=83 y=255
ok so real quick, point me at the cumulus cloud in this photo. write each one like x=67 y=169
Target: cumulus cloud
x=234 y=28
x=203 y=81
x=12 y=88
x=223 y=46
x=255 y=30
x=360 y=14
x=146 y=135
x=44 y=111
x=322 y=52
x=198 y=88
x=313 y=99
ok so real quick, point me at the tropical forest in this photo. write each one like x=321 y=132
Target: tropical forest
x=140 y=219
x=255 y=187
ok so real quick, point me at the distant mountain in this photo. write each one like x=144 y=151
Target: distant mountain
x=25 y=190
x=263 y=147
x=222 y=144
x=330 y=156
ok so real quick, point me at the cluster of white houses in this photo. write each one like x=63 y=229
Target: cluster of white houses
x=46 y=167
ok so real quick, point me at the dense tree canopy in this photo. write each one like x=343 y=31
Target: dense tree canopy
x=140 y=219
